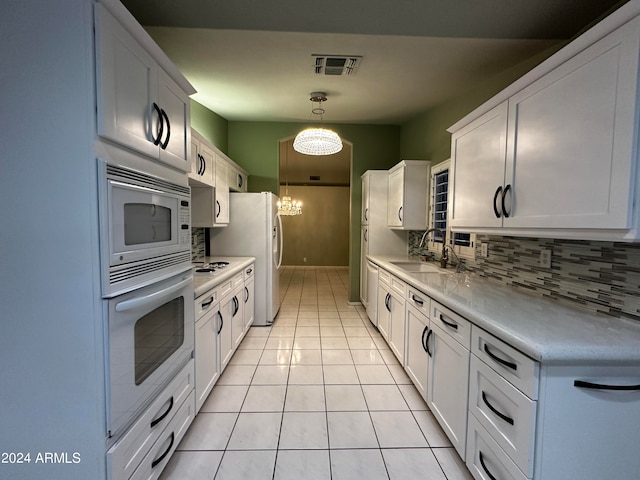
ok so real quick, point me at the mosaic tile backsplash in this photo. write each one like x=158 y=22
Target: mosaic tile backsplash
x=602 y=277
x=197 y=245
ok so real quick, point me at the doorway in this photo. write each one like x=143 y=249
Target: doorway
x=320 y=235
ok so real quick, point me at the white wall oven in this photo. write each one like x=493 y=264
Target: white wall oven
x=150 y=338
x=145 y=228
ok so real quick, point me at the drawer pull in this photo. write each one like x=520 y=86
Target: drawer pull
x=207 y=303
x=417 y=300
x=161 y=417
x=166 y=452
x=484 y=467
x=448 y=324
x=509 y=420
x=599 y=386
x=511 y=365
x=424 y=343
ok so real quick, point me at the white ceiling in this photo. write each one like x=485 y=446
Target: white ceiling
x=250 y=60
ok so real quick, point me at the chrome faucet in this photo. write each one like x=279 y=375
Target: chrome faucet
x=445 y=257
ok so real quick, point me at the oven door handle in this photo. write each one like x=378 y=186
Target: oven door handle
x=152 y=298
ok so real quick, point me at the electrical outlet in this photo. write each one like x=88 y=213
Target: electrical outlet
x=545 y=258
x=304 y=259
x=484 y=249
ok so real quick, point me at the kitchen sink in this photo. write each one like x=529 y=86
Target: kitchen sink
x=421 y=267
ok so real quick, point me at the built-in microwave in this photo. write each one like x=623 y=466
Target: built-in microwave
x=145 y=228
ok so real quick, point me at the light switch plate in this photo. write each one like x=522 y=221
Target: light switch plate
x=484 y=249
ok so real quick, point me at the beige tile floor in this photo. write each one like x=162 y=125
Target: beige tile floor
x=316 y=396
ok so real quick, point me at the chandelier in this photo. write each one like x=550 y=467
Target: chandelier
x=287 y=206
x=317 y=141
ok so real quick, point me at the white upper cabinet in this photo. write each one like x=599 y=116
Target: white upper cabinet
x=477 y=173
x=222 y=191
x=571 y=140
x=203 y=162
x=557 y=157
x=139 y=105
x=407 y=195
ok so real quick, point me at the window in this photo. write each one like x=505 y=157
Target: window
x=463 y=244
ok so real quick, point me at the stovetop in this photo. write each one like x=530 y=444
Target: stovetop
x=210 y=268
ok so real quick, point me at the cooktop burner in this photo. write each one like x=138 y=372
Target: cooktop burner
x=212 y=267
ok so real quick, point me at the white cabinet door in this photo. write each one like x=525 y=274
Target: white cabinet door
x=384 y=310
x=571 y=140
x=396 y=326
x=225 y=329
x=139 y=105
x=206 y=355
x=364 y=250
x=395 y=206
x=477 y=171
x=365 y=180
x=222 y=192
x=448 y=385
x=127 y=87
x=416 y=349
x=249 y=302
x=176 y=111
x=237 y=317
x=203 y=162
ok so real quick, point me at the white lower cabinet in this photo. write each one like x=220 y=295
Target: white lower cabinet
x=155 y=461
x=249 y=296
x=448 y=385
x=416 y=348
x=505 y=412
x=384 y=310
x=391 y=295
x=206 y=345
x=485 y=459
x=509 y=416
x=237 y=314
x=175 y=405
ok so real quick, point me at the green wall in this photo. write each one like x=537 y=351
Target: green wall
x=210 y=125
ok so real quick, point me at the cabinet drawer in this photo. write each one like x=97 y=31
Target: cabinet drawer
x=514 y=366
x=160 y=454
x=248 y=272
x=384 y=276
x=125 y=456
x=507 y=414
x=205 y=303
x=419 y=300
x=238 y=279
x=225 y=288
x=398 y=286
x=452 y=323
x=485 y=459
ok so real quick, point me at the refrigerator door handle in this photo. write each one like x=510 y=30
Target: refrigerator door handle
x=281 y=240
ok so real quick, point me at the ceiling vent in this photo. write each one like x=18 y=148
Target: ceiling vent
x=336 y=64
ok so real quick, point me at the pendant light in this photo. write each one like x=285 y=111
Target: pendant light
x=286 y=205
x=317 y=141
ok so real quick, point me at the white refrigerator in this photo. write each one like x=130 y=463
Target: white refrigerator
x=255 y=230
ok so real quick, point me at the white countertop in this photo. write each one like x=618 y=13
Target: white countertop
x=545 y=330
x=204 y=282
